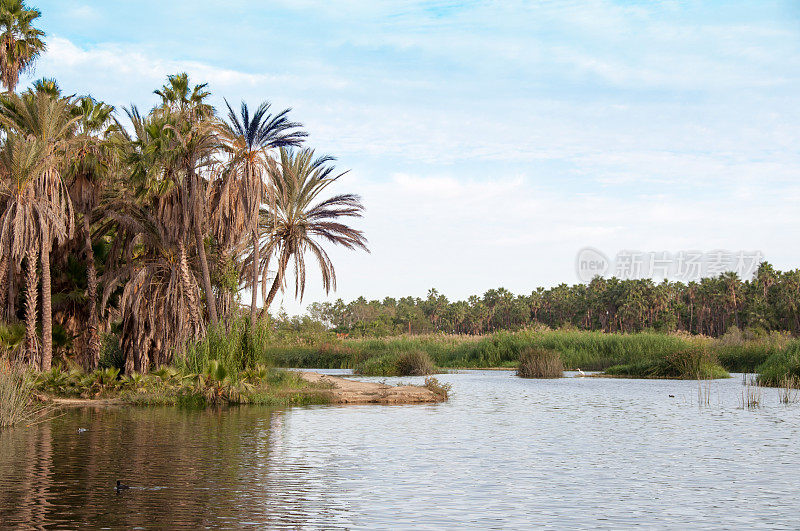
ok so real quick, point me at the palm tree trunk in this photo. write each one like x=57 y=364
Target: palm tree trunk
x=4 y=283
x=210 y=300
x=31 y=294
x=277 y=282
x=187 y=285
x=201 y=251
x=254 y=287
x=47 y=310
x=93 y=339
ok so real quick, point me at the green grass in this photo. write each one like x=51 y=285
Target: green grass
x=214 y=385
x=596 y=351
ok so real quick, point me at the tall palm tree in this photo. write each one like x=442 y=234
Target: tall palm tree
x=23 y=225
x=48 y=120
x=150 y=212
x=301 y=221
x=249 y=140
x=20 y=42
x=177 y=96
x=194 y=141
x=86 y=173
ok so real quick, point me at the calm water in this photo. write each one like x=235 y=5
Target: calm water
x=503 y=453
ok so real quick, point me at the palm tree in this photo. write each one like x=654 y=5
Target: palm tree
x=23 y=225
x=175 y=95
x=20 y=42
x=194 y=142
x=151 y=214
x=87 y=170
x=293 y=226
x=248 y=139
x=46 y=119
x=159 y=298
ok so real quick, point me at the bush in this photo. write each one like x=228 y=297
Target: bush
x=411 y=363
x=540 y=363
x=438 y=388
x=111 y=355
x=12 y=338
x=414 y=363
x=780 y=366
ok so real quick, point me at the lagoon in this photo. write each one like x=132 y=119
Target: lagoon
x=501 y=453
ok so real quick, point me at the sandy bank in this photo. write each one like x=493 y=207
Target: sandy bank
x=336 y=390
x=344 y=391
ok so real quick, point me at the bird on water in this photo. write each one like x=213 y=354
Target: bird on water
x=120 y=486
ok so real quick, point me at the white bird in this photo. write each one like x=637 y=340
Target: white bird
x=581 y=373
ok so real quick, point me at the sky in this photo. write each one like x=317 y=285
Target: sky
x=490 y=141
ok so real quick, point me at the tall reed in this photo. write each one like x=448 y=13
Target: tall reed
x=540 y=363
x=17 y=403
x=751 y=394
x=788 y=391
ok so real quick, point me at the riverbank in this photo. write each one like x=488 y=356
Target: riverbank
x=346 y=391
x=309 y=388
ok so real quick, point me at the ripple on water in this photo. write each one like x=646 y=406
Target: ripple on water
x=503 y=452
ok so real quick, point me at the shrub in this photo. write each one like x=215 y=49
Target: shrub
x=781 y=365
x=12 y=337
x=414 y=363
x=404 y=363
x=111 y=355
x=540 y=363
x=438 y=388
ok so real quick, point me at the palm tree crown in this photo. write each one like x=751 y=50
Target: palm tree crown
x=20 y=42
x=248 y=140
x=296 y=225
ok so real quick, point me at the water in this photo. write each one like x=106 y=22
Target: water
x=503 y=453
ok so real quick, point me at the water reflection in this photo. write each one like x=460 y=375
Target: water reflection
x=503 y=452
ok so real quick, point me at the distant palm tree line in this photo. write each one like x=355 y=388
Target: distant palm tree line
x=150 y=227
x=770 y=301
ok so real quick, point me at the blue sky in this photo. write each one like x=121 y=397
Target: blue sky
x=492 y=140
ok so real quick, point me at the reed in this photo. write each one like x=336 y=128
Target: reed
x=694 y=363
x=703 y=392
x=235 y=346
x=751 y=394
x=788 y=391
x=540 y=363
x=17 y=402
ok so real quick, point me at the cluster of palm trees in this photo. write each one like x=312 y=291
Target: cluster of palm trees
x=711 y=306
x=152 y=225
